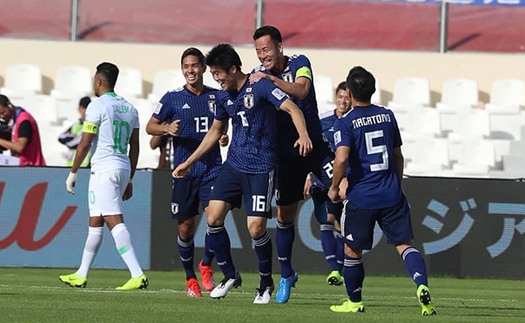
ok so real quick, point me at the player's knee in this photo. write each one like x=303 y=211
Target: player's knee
x=350 y=252
x=257 y=227
x=187 y=228
x=286 y=213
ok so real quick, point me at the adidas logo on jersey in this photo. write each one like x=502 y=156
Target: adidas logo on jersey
x=229 y=102
x=350 y=237
x=186 y=106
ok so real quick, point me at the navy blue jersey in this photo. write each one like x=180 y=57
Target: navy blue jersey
x=371 y=133
x=297 y=66
x=328 y=119
x=253 y=147
x=196 y=114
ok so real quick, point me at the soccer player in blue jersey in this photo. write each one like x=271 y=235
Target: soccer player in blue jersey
x=368 y=139
x=293 y=75
x=186 y=114
x=331 y=239
x=248 y=172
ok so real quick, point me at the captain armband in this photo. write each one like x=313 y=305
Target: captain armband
x=90 y=127
x=304 y=72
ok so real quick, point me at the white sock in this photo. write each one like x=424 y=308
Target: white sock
x=125 y=249
x=93 y=242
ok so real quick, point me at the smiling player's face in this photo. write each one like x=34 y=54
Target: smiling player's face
x=342 y=101
x=192 y=69
x=223 y=78
x=268 y=53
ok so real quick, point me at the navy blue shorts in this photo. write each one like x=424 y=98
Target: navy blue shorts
x=291 y=173
x=257 y=189
x=358 y=224
x=186 y=195
x=327 y=173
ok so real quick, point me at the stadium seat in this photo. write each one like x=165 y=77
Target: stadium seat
x=22 y=80
x=44 y=109
x=71 y=84
x=507 y=96
x=458 y=94
x=164 y=81
x=324 y=88
x=325 y=106
x=429 y=158
x=72 y=80
x=409 y=93
x=475 y=158
x=145 y=109
x=473 y=123
x=422 y=123
x=129 y=83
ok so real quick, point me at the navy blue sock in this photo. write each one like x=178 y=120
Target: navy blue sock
x=208 y=252
x=186 y=251
x=354 y=274
x=340 y=250
x=284 y=237
x=415 y=265
x=263 y=249
x=219 y=242
x=321 y=213
x=329 y=245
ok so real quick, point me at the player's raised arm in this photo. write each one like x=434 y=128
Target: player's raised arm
x=304 y=142
x=210 y=140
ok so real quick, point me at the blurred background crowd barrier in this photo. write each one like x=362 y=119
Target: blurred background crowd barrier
x=420 y=25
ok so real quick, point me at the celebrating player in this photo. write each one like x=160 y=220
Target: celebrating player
x=186 y=114
x=249 y=168
x=293 y=75
x=368 y=139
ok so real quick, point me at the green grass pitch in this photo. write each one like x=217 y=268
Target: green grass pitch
x=36 y=295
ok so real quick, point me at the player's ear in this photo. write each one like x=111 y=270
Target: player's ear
x=280 y=47
x=233 y=69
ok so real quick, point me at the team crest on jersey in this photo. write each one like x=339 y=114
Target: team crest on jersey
x=174 y=208
x=248 y=101
x=211 y=105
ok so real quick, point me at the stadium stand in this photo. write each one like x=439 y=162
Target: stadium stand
x=129 y=83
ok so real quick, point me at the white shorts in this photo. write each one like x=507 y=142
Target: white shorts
x=105 y=191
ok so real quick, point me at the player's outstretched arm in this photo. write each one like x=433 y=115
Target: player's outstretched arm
x=207 y=143
x=298 y=89
x=304 y=142
x=341 y=158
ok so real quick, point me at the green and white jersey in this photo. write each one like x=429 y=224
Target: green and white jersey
x=112 y=119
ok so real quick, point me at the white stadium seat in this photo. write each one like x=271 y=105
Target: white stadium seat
x=476 y=157
x=164 y=81
x=376 y=97
x=507 y=96
x=429 y=157
x=73 y=80
x=410 y=92
x=458 y=94
x=22 y=80
x=129 y=83
x=473 y=123
x=423 y=122
x=324 y=88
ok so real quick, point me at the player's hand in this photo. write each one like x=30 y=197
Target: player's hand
x=224 y=140
x=305 y=145
x=255 y=77
x=128 y=192
x=333 y=194
x=181 y=170
x=70 y=182
x=173 y=128
x=307 y=184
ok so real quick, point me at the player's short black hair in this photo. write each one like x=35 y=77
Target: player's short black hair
x=84 y=102
x=271 y=31
x=223 y=56
x=340 y=87
x=361 y=84
x=109 y=72
x=4 y=101
x=194 y=52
